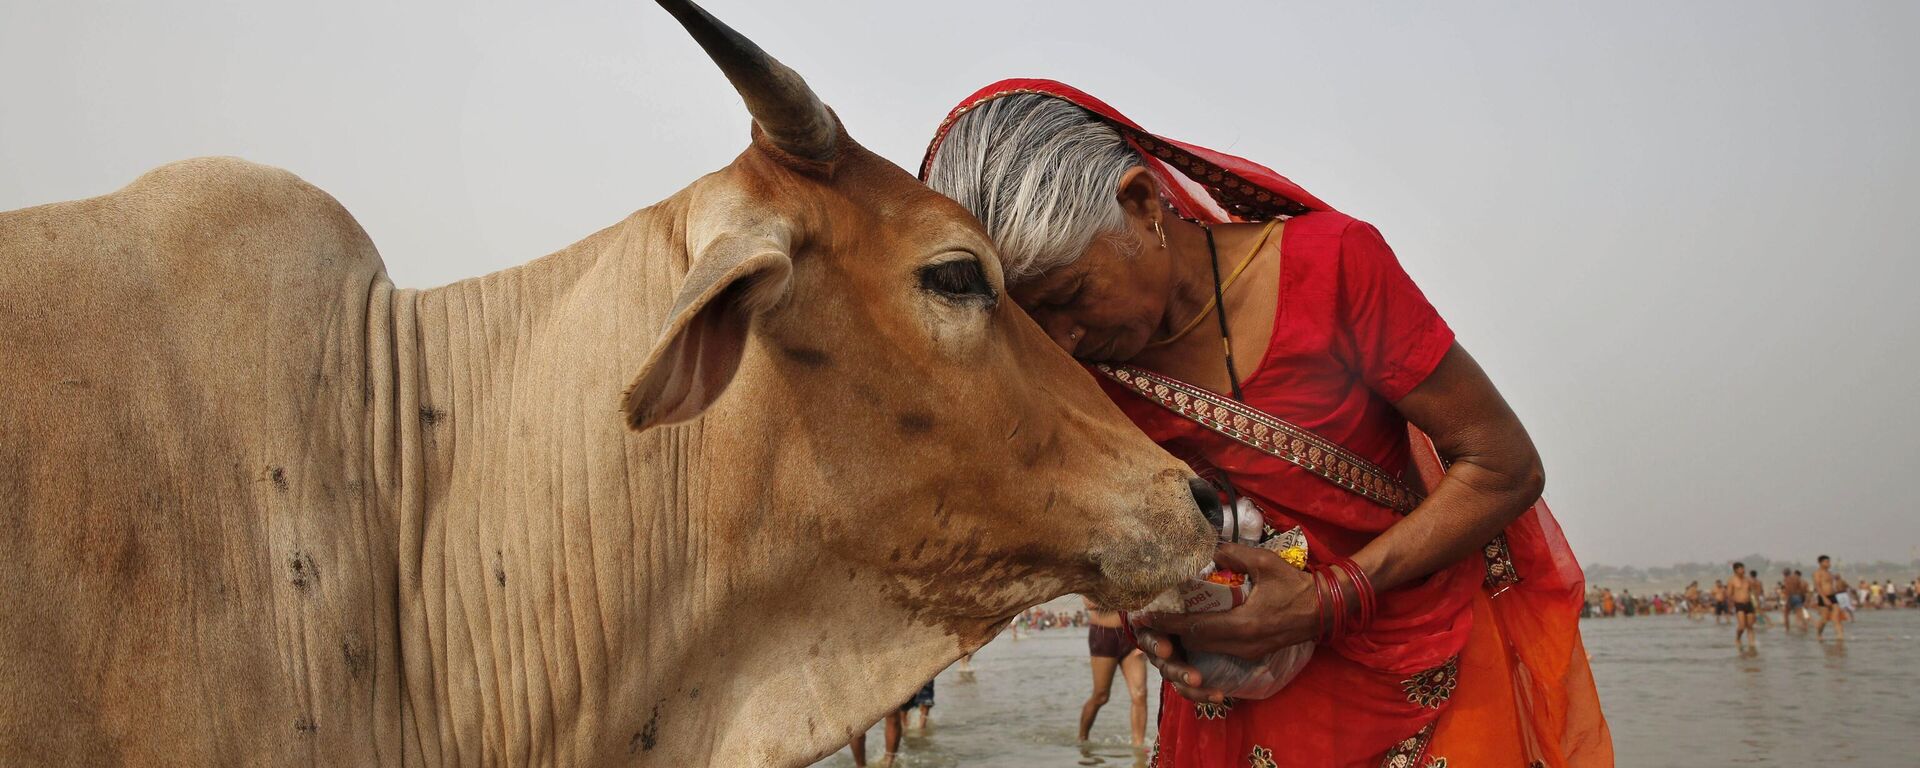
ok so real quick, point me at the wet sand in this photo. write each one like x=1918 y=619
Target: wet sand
x=1675 y=692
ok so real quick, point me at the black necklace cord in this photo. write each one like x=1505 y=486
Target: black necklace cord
x=1220 y=308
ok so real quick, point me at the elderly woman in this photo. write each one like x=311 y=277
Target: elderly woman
x=1278 y=347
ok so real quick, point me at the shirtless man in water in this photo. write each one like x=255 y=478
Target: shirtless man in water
x=1824 y=585
x=1740 y=595
x=1793 y=594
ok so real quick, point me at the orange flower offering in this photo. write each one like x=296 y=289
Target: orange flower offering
x=1228 y=578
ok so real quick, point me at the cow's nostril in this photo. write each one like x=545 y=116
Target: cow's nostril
x=1208 y=498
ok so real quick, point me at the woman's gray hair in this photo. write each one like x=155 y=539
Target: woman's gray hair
x=1041 y=174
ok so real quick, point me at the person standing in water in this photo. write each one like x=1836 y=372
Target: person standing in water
x=1825 y=586
x=1740 y=597
x=1111 y=646
x=1793 y=595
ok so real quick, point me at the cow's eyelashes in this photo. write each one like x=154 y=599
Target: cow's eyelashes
x=957 y=279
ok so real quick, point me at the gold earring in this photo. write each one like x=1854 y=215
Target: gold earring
x=1161 y=232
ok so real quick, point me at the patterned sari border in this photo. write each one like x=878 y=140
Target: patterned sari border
x=1270 y=435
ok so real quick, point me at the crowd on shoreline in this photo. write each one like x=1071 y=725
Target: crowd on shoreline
x=1604 y=603
x=1742 y=598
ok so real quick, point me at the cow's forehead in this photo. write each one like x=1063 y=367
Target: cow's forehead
x=888 y=206
x=901 y=202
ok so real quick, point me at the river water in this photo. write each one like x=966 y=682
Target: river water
x=1674 y=690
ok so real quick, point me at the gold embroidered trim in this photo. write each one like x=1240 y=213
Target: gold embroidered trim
x=1433 y=687
x=1207 y=710
x=1235 y=194
x=1406 y=754
x=1272 y=436
x=1261 y=757
x=1501 y=573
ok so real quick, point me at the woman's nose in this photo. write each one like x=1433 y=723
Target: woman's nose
x=1070 y=339
x=1063 y=331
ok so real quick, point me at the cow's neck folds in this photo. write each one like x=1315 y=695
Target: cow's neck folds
x=573 y=589
x=527 y=544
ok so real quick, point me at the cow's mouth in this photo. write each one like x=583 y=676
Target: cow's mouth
x=1134 y=572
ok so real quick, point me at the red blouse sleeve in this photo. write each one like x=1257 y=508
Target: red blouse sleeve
x=1392 y=337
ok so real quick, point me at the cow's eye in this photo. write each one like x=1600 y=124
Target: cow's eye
x=957 y=279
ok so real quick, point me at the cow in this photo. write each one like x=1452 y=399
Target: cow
x=719 y=484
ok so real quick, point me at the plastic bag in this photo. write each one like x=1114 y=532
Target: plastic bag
x=1237 y=677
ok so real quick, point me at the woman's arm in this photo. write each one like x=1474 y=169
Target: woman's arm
x=1494 y=475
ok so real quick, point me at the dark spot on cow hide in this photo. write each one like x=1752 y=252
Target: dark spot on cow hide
x=430 y=416
x=306 y=575
x=279 y=477
x=305 y=725
x=915 y=422
x=355 y=653
x=1030 y=453
x=694 y=695
x=807 y=356
x=499 y=570
x=649 y=735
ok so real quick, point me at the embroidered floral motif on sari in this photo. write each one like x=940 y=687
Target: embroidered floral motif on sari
x=1207 y=710
x=1261 y=757
x=1433 y=687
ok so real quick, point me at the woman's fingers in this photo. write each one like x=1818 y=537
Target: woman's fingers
x=1154 y=643
x=1244 y=559
x=1207 y=631
x=1165 y=656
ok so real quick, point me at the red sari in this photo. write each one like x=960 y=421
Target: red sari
x=1456 y=668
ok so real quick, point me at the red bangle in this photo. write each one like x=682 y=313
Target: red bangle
x=1336 y=603
x=1364 y=593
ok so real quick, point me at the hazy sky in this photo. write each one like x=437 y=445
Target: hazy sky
x=1680 y=236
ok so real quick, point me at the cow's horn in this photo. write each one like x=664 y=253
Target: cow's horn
x=781 y=103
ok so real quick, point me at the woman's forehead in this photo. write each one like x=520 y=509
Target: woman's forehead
x=1045 y=283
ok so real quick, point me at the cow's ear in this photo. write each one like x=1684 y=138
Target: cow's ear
x=734 y=278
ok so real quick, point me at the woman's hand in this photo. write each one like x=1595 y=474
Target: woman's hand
x=1279 y=612
x=1165 y=655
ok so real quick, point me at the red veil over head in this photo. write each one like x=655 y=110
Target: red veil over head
x=1201 y=184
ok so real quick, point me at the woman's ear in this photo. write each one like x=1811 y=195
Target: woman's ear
x=1138 y=194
